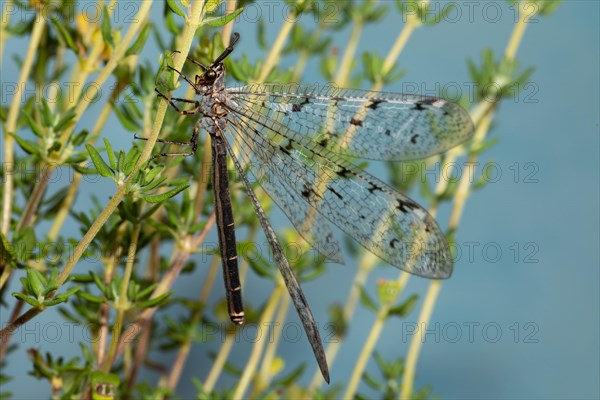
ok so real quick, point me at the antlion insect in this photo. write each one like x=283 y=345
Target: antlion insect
x=301 y=138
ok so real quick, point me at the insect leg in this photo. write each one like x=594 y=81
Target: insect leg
x=193 y=142
x=181 y=75
x=172 y=100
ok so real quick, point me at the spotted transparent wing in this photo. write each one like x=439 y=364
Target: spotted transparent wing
x=362 y=124
x=379 y=218
x=320 y=235
x=255 y=159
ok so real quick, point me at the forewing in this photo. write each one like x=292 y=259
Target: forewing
x=362 y=124
x=258 y=161
x=378 y=217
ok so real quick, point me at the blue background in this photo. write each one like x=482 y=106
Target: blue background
x=552 y=301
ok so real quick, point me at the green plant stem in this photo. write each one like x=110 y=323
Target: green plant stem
x=92 y=35
x=298 y=70
x=123 y=304
x=304 y=55
x=341 y=79
x=188 y=35
x=42 y=181
x=80 y=76
x=165 y=284
x=141 y=348
x=436 y=285
x=464 y=186
x=141 y=351
x=258 y=347
x=99 y=347
x=113 y=62
x=518 y=31
x=9 y=145
x=69 y=199
x=3 y=24
x=413 y=351
x=53 y=91
x=399 y=44
x=13 y=316
x=219 y=362
x=48 y=166
x=365 y=266
x=412 y=356
x=265 y=374
x=230 y=6
x=11 y=126
x=373 y=337
x=485 y=115
x=275 y=53
x=34 y=200
x=110 y=263
x=186 y=346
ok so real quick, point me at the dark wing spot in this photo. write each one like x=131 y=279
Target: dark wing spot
x=289 y=146
x=298 y=107
x=339 y=196
x=375 y=103
x=393 y=243
x=388 y=132
x=343 y=172
x=373 y=188
x=413 y=139
x=324 y=142
x=356 y=122
x=284 y=149
x=336 y=99
x=403 y=205
x=418 y=107
x=305 y=192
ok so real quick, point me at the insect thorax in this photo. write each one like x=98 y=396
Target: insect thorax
x=214 y=95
